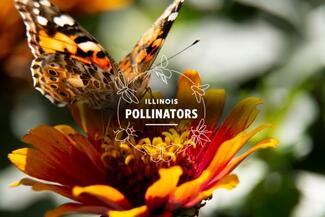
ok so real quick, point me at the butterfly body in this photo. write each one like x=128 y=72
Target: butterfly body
x=71 y=66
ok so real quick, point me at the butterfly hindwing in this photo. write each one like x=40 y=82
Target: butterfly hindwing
x=64 y=80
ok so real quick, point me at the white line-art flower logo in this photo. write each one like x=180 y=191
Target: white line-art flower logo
x=123 y=89
x=200 y=133
x=127 y=89
x=125 y=134
x=199 y=91
x=161 y=70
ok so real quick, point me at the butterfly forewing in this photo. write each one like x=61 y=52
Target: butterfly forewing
x=138 y=62
x=50 y=31
x=70 y=65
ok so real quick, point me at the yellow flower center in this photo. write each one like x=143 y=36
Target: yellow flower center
x=160 y=149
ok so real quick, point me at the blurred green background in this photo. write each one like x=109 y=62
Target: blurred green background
x=274 y=49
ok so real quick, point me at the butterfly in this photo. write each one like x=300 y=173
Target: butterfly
x=71 y=66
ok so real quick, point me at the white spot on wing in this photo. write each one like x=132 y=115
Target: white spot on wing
x=28 y=28
x=173 y=16
x=45 y=3
x=36 y=11
x=61 y=104
x=36 y=4
x=89 y=45
x=50 y=98
x=75 y=82
x=166 y=13
x=23 y=15
x=34 y=81
x=63 y=20
x=42 y=20
x=40 y=90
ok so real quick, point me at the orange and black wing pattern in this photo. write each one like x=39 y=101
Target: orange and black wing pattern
x=51 y=31
x=69 y=65
x=141 y=58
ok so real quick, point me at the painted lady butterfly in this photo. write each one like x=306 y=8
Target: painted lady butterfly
x=71 y=66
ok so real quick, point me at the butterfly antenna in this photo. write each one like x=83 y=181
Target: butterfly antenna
x=176 y=54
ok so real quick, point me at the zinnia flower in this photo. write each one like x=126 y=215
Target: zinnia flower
x=111 y=178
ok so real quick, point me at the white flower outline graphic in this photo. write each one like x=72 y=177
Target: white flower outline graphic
x=161 y=70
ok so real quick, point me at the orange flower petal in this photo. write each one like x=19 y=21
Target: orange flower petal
x=76 y=208
x=266 y=143
x=187 y=191
x=40 y=186
x=66 y=130
x=229 y=149
x=82 y=115
x=109 y=195
x=18 y=158
x=57 y=158
x=215 y=100
x=141 y=211
x=79 y=141
x=159 y=191
x=82 y=144
x=242 y=115
x=240 y=118
x=228 y=182
x=46 y=139
x=184 y=91
x=92 y=121
x=190 y=193
x=35 y=164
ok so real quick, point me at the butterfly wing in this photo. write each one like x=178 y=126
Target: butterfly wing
x=64 y=81
x=55 y=36
x=141 y=58
x=51 y=31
